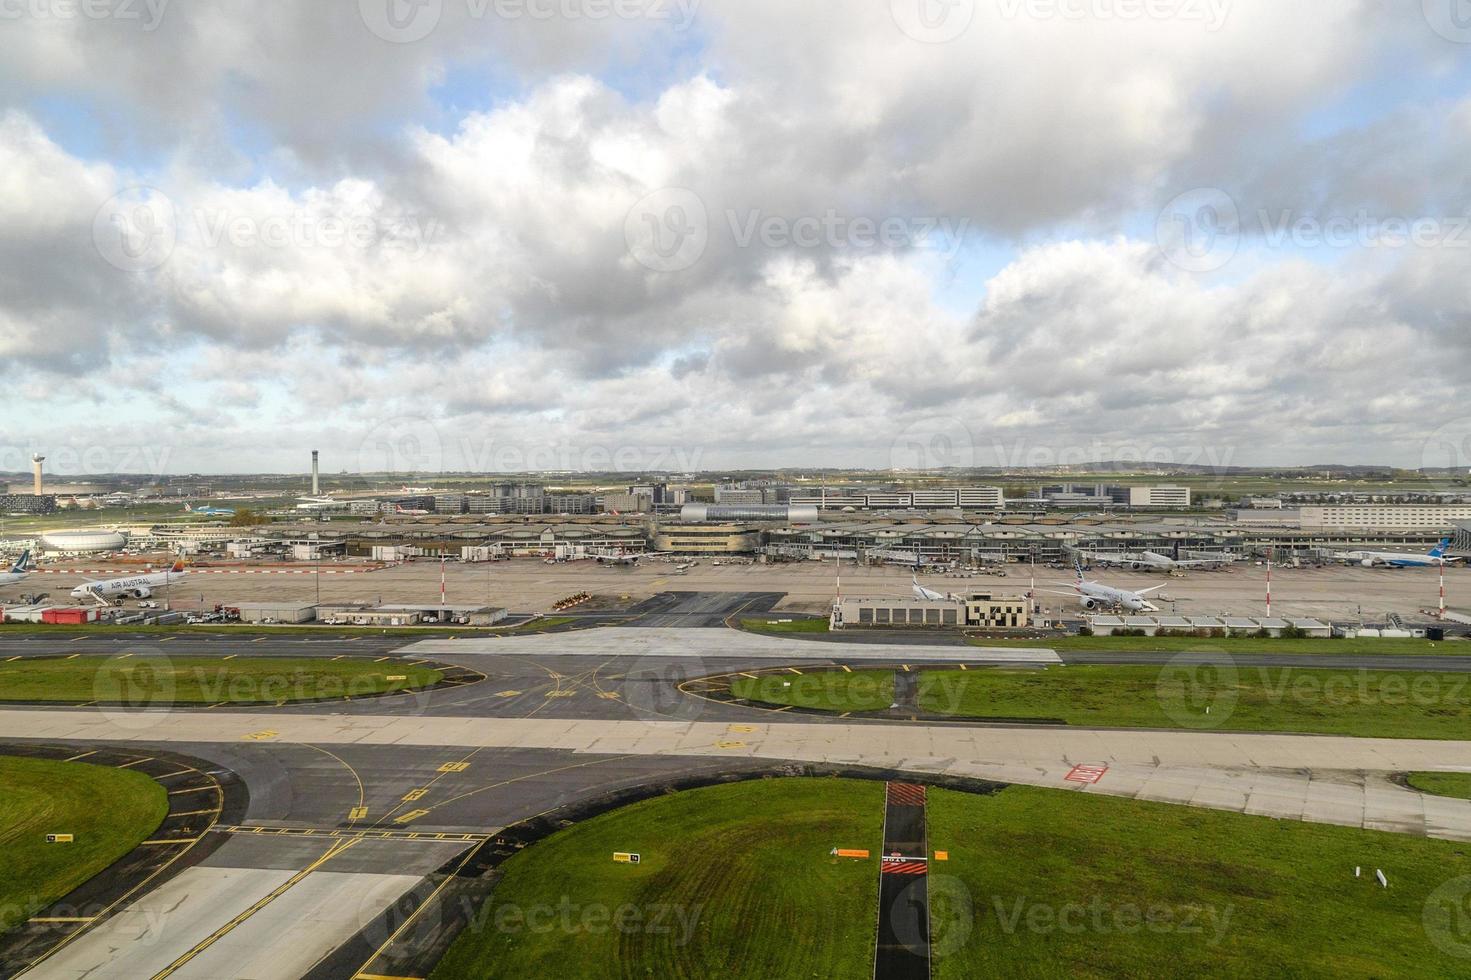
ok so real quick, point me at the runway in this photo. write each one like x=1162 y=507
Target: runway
x=365 y=816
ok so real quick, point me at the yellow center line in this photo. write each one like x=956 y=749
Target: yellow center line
x=337 y=848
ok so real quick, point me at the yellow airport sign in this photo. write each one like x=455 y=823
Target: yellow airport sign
x=59 y=838
x=848 y=852
x=624 y=857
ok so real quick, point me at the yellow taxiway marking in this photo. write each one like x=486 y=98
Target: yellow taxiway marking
x=847 y=669
x=412 y=815
x=357 y=813
x=752 y=676
x=195 y=813
x=845 y=714
x=195 y=789
x=82 y=756
x=179 y=840
x=739 y=729
x=609 y=695
x=794 y=670
x=337 y=848
x=906 y=668
x=414 y=794
x=730 y=745
x=231 y=656
x=74 y=656
x=454 y=767
x=61 y=918
x=136 y=762
x=263 y=735
x=560 y=694
x=506 y=694
x=964 y=667
x=379 y=976
x=11 y=660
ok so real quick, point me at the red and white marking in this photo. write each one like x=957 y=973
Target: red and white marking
x=1086 y=774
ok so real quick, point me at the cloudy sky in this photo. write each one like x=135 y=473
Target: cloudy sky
x=678 y=234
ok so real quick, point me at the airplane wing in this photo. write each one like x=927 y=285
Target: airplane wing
x=1152 y=588
x=1058 y=592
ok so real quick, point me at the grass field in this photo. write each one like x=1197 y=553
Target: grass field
x=768 y=624
x=1237 y=644
x=1456 y=784
x=734 y=881
x=108 y=811
x=1039 y=883
x=1370 y=703
x=202 y=680
x=1091 y=886
x=862 y=690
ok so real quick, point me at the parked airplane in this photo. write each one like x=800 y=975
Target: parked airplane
x=1096 y=595
x=137 y=586
x=18 y=570
x=408 y=511
x=209 y=511
x=628 y=560
x=317 y=503
x=1398 y=559
x=929 y=595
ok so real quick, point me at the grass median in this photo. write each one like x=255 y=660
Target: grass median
x=107 y=811
x=1453 y=784
x=157 y=679
x=1238 y=644
x=733 y=881
x=773 y=624
x=1183 y=695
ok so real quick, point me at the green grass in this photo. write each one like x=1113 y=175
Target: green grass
x=1456 y=784
x=158 y=679
x=768 y=624
x=862 y=690
x=735 y=881
x=1240 y=644
x=1370 y=703
x=1270 y=898
x=108 y=811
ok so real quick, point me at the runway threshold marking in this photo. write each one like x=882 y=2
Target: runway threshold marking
x=337 y=848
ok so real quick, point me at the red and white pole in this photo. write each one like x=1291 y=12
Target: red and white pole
x=1442 y=590
x=1269 y=583
x=441 y=584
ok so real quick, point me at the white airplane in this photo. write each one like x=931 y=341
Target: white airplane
x=619 y=559
x=137 y=586
x=317 y=503
x=1398 y=559
x=18 y=570
x=204 y=511
x=930 y=595
x=408 y=511
x=1096 y=595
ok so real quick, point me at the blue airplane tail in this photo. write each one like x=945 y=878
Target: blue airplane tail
x=1441 y=548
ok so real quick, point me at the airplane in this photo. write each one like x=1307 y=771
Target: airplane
x=1096 y=595
x=18 y=570
x=408 y=512
x=203 y=511
x=137 y=586
x=1398 y=559
x=930 y=595
x=317 y=503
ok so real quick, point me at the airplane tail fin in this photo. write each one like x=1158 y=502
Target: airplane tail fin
x=25 y=559
x=1440 y=549
x=188 y=508
x=178 y=566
